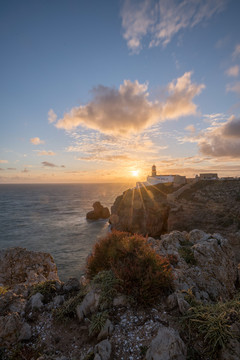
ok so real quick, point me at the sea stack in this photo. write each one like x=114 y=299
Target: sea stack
x=99 y=212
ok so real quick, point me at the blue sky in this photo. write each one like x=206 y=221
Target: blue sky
x=91 y=91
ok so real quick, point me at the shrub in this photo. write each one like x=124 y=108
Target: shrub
x=45 y=288
x=212 y=322
x=107 y=282
x=98 y=321
x=144 y=275
x=68 y=309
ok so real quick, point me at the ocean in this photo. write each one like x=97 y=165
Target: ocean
x=52 y=218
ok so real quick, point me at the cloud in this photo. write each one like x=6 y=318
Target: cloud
x=236 y=52
x=3 y=161
x=234 y=87
x=11 y=168
x=1 y=169
x=190 y=128
x=233 y=71
x=222 y=140
x=47 y=153
x=106 y=158
x=128 y=109
x=162 y=19
x=48 y=164
x=36 y=141
x=52 y=117
x=25 y=170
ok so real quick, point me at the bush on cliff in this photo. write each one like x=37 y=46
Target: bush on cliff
x=143 y=274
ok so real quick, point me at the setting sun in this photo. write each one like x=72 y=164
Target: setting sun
x=135 y=172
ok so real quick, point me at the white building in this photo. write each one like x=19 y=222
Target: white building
x=155 y=179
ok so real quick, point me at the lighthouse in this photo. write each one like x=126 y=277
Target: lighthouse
x=154 y=171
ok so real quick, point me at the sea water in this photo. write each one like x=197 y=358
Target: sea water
x=52 y=218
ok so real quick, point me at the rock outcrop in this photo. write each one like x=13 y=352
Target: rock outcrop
x=209 y=205
x=21 y=266
x=167 y=345
x=203 y=263
x=99 y=212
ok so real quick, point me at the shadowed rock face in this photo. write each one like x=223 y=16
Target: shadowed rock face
x=143 y=211
x=212 y=206
x=99 y=212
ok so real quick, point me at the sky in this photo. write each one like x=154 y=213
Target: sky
x=99 y=91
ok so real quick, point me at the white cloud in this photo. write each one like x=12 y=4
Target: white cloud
x=36 y=141
x=234 y=87
x=47 y=153
x=3 y=161
x=128 y=109
x=190 y=128
x=52 y=117
x=236 y=52
x=162 y=19
x=233 y=71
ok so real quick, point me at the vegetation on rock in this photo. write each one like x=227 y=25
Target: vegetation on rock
x=143 y=274
x=212 y=323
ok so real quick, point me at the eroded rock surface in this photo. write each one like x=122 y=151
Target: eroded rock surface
x=21 y=266
x=204 y=263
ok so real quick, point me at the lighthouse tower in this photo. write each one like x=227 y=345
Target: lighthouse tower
x=154 y=171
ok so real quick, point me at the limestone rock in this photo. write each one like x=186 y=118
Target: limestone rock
x=99 y=212
x=167 y=345
x=89 y=304
x=9 y=329
x=103 y=350
x=106 y=330
x=120 y=300
x=25 y=332
x=20 y=266
x=213 y=275
x=71 y=284
x=36 y=301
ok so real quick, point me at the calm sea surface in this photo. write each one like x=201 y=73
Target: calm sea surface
x=52 y=218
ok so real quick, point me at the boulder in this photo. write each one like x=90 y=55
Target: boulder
x=10 y=326
x=36 y=301
x=103 y=350
x=167 y=345
x=89 y=304
x=106 y=330
x=20 y=266
x=99 y=212
x=72 y=284
x=25 y=332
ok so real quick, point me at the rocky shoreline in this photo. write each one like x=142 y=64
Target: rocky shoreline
x=45 y=319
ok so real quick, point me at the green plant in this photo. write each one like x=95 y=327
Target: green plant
x=144 y=275
x=185 y=251
x=108 y=284
x=212 y=322
x=89 y=356
x=68 y=309
x=46 y=288
x=98 y=321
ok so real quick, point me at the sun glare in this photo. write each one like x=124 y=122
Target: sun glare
x=135 y=172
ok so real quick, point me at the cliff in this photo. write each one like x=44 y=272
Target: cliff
x=212 y=205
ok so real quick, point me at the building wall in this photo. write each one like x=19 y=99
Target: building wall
x=153 y=180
